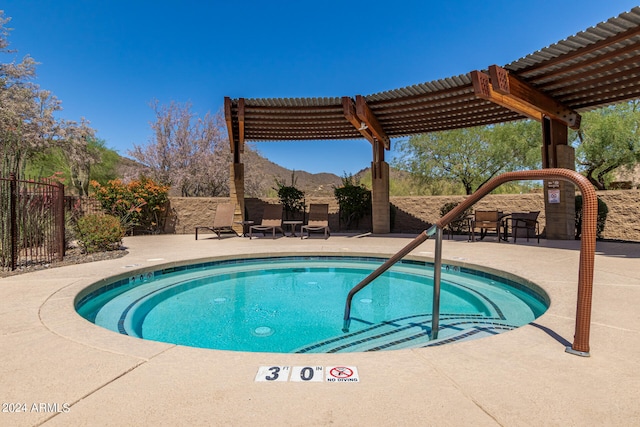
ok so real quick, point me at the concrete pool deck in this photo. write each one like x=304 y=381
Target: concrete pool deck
x=67 y=371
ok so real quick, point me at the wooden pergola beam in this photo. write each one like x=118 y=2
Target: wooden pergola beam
x=514 y=89
x=350 y=114
x=368 y=118
x=483 y=89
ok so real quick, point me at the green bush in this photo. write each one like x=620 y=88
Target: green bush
x=458 y=225
x=99 y=233
x=291 y=198
x=603 y=211
x=354 y=200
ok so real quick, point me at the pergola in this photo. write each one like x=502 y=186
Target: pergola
x=596 y=67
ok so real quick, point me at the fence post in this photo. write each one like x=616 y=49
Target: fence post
x=60 y=221
x=13 y=219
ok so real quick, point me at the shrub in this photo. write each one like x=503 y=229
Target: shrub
x=354 y=200
x=458 y=225
x=140 y=203
x=291 y=198
x=603 y=211
x=99 y=233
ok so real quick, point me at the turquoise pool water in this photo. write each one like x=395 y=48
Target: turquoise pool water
x=296 y=304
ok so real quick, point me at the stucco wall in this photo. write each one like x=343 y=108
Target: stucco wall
x=414 y=214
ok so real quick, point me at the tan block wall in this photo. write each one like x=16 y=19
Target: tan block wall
x=623 y=220
x=414 y=214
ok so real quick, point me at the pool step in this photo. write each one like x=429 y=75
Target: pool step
x=410 y=332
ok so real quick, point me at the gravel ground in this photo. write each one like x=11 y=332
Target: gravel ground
x=71 y=256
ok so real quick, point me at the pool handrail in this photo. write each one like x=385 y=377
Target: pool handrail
x=417 y=241
x=580 y=344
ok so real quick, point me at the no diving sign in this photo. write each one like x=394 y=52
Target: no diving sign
x=331 y=374
x=346 y=374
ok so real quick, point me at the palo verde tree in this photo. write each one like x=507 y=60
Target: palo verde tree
x=608 y=139
x=92 y=161
x=188 y=153
x=471 y=156
x=27 y=122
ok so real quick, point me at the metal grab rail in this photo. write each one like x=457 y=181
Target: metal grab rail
x=420 y=239
x=580 y=344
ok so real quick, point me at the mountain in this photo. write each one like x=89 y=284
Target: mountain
x=261 y=175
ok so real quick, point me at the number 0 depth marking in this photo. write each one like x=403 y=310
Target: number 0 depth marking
x=307 y=374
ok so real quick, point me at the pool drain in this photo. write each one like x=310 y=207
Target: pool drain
x=263 y=331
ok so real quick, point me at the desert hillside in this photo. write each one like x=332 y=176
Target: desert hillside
x=263 y=173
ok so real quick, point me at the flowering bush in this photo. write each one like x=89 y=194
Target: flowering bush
x=99 y=233
x=138 y=204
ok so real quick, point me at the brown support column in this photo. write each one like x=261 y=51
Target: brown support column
x=559 y=196
x=380 y=214
x=236 y=193
x=380 y=198
x=365 y=121
x=508 y=91
x=236 y=170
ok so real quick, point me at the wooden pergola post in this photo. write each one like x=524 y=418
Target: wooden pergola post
x=559 y=196
x=508 y=91
x=361 y=116
x=236 y=171
x=380 y=208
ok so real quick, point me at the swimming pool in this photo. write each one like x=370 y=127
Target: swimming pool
x=295 y=304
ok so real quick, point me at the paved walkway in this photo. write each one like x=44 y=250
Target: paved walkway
x=67 y=371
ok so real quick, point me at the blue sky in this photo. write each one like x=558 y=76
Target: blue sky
x=106 y=60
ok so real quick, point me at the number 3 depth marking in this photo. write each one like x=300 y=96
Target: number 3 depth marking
x=274 y=373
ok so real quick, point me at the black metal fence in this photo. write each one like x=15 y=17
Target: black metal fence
x=32 y=222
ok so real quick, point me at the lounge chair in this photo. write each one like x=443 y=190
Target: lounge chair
x=485 y=221
x=223 y=220
x=318 y=220
x=271 y=221
x=525 y=224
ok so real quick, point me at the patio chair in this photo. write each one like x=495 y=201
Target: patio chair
x=318 y=220
x=525 y=224
x=485 y=221
x=223 y=220
x=271 y=221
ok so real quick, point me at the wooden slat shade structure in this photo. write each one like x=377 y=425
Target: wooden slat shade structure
x=596 y=67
